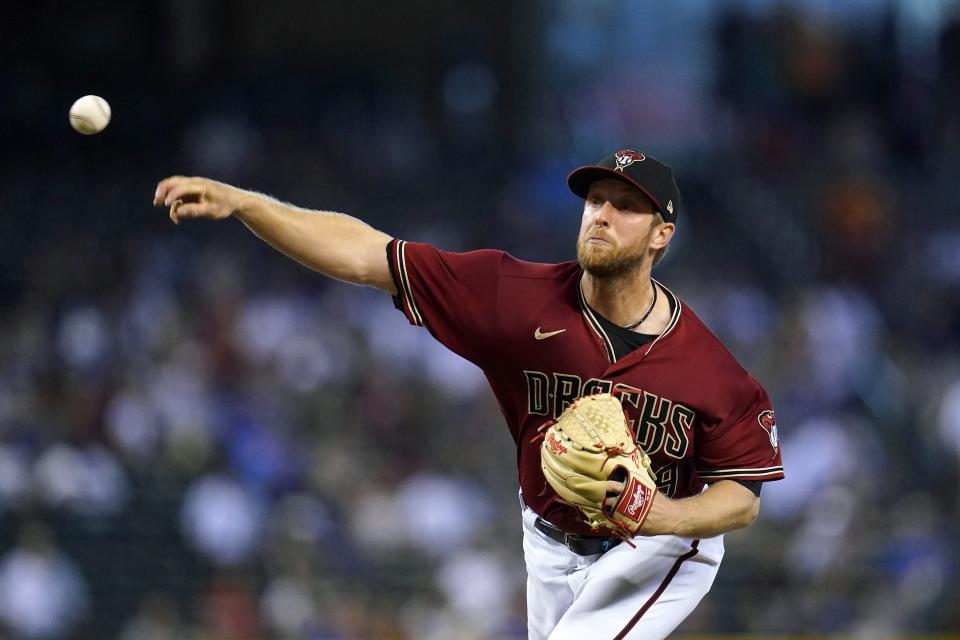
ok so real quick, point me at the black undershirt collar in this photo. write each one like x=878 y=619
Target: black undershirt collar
x=624 y=341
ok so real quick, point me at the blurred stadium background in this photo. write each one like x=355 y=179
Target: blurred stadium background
x=200 y=439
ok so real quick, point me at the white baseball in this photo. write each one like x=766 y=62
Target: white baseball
x=90 y=115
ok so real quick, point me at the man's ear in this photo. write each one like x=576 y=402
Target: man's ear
x=662 y=234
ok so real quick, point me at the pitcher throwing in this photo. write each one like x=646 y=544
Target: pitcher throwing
x=625 y=549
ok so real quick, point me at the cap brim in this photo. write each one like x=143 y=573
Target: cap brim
x=580 y=180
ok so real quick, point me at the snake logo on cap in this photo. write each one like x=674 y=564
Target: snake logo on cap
x=627 y=157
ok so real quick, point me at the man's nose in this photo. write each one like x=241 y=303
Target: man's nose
x=604 y=214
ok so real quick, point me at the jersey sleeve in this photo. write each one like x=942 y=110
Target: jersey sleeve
x=452 y=295
x=746 y=447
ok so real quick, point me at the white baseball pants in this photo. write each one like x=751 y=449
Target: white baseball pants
x=626 y=593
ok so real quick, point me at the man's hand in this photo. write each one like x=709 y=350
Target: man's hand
x=661 y=517
x=198 y=198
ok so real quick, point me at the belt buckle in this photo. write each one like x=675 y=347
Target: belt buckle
x=569 y=540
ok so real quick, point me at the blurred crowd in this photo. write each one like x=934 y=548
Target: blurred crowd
x=202 y=440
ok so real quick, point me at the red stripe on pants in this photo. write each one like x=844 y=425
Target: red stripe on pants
x=659 y=592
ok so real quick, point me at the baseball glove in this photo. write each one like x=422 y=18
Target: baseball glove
x=591 y=442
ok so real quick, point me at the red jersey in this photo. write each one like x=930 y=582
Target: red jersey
x=695 y=411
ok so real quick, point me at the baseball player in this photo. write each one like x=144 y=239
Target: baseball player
x=546 y=335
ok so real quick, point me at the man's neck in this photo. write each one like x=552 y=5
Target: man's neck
x=622 y=298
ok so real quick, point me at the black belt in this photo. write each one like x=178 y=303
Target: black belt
x=579 y=544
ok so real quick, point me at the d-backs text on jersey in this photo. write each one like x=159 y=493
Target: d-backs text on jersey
x=663 y=426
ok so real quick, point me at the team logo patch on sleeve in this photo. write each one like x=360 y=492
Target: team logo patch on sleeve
x=768 y=421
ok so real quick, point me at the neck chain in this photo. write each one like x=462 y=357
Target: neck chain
x=647 y=312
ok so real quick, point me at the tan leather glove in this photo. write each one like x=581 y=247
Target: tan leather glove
x=591 y=442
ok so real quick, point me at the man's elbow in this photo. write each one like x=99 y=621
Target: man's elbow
x=370 y=268
x=750 y=513
x=374 y=277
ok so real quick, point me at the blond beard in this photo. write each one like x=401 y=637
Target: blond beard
x=608 y=261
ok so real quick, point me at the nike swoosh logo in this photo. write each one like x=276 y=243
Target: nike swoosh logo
x=539 y=335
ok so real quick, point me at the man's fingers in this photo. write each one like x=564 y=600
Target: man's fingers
x=185 y=190
x=182 y=211
x=613 y=493
x=614 y=487
x=163 y=187
x=187 y=198
x=174 y=210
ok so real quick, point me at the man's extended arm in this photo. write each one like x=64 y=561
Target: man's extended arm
x=334 y=244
